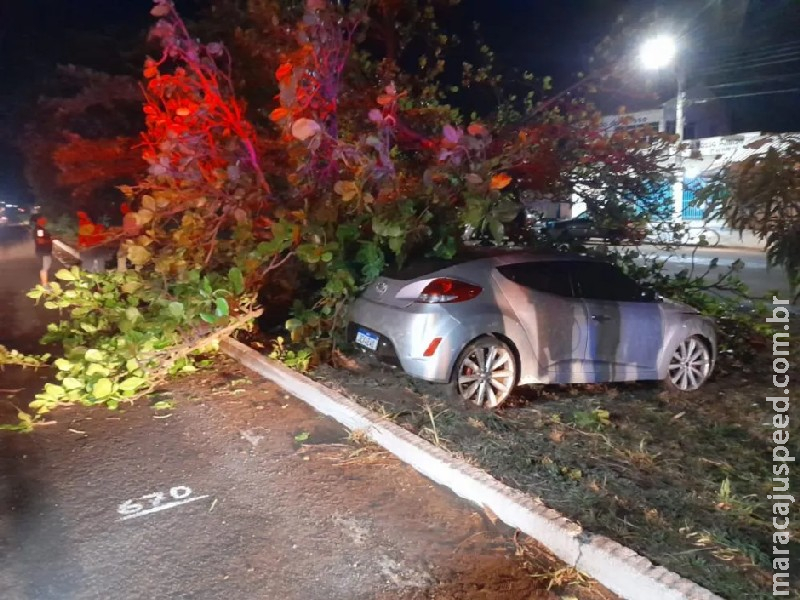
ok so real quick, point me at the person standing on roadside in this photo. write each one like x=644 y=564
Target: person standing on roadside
x=36 y=214
x=44 y=248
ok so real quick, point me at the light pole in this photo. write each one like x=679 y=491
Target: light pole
x=656 y=53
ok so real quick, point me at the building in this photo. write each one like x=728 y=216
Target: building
x=705 y=116
x=708 y=144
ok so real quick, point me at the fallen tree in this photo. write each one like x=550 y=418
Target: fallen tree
x=360 y=166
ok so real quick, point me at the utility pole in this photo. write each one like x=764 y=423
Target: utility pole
x=680 y=125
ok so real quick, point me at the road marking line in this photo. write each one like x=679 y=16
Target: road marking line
x=148 y=511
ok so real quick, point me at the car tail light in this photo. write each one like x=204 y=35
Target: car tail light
x=445 y=290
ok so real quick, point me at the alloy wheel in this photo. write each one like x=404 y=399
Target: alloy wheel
x=690 y=365
x=486 y=375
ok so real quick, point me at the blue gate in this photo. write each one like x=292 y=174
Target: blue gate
x=690 y=189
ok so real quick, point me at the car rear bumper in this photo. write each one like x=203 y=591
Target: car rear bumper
x=406 y=333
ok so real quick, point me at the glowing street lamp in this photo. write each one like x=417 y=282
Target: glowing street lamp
x=658 y=52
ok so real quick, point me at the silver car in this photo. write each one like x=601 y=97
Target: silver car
x=485 y=323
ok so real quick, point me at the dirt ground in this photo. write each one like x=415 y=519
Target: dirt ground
x=681 y=479
x=289 y=506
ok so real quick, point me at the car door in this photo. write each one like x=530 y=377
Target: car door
x=540 y=294
x=625 y=325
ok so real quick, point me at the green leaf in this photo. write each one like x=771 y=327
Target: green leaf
x=53 y=391
x=131 y=365
x=35 y=293
x=96 y=369
x=129 y=287
x=237 y=280
x=223 y=310
x=175 y=309
x=102 y=388
x=301 y=437
x=71 y=383
x=94 y=355
x=293 y=324
x=138 y=255
x=132 y=313
x=62 y=364
x=65 y=275
x=396 y=244
x=496 y=229
x=132 y=383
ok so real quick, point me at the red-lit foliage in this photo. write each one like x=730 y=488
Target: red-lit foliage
x=89 y=166
x=195 y=125
x=82 y=143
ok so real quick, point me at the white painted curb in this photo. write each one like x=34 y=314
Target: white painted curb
x=68 y=249
x=618 y=568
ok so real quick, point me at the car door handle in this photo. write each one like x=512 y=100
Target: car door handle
x=600 y=318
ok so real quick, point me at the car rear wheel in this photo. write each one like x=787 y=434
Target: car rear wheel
x=689 y=366
x=485 y=373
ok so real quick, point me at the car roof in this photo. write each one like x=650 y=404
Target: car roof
x=481 y=257
x=508 y=256
x=524 y=257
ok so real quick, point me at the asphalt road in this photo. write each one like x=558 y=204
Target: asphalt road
x=238 y=492
x=760 y=280
x=21 y=324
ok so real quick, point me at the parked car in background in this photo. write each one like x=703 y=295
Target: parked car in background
x=490 y=320
x=12 y=214
x=520 y=230
x=586 y=226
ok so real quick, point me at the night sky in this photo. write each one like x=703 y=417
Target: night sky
x=547 y=37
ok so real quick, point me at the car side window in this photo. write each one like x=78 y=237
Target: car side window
x=541 y=276
x=603 y=281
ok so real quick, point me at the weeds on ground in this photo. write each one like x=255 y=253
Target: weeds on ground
x=681 y=479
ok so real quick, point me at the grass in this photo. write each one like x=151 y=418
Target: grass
x=681 y=479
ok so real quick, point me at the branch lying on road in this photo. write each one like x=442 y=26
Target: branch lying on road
x=197 y=340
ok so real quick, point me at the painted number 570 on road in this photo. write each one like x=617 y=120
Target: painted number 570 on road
x=155 y=502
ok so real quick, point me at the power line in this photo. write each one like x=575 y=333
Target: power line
x=762 y=57
x=754 y=81
x=745 y=67
x=761 y=52
x=786 y=91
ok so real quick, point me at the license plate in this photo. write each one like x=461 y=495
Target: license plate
x=367 y=339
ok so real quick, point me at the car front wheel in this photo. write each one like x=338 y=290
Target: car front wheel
x=690 y=365
x=485 y=373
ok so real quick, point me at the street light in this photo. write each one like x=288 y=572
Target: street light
x=659 y=52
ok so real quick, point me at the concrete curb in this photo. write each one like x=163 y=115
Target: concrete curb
x=68 y=249
x=618 y=568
